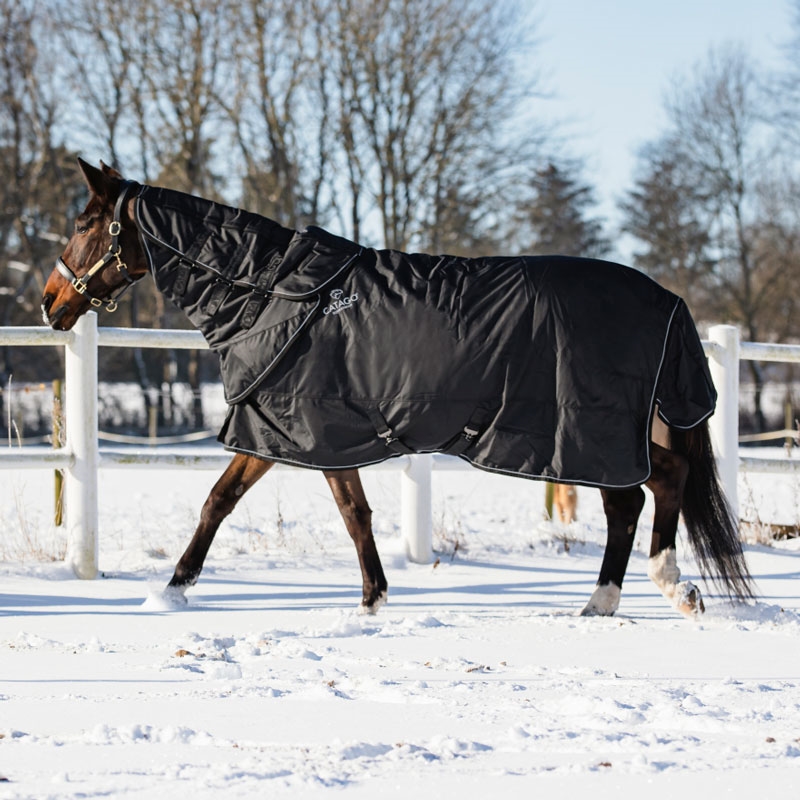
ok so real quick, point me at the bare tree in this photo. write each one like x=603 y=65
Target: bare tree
x=776 y=251
x=268 y=109
x=716 y=146
x=422 y=91
x=783 y=87
x=149 y=82
x=37 y=171
x=105 y=67
x=186 y=67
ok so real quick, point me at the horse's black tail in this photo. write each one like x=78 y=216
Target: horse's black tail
x=710 y=522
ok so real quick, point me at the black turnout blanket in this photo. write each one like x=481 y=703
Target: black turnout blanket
x=335 y=355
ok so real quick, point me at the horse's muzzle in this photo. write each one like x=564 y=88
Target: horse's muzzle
x=51 y=320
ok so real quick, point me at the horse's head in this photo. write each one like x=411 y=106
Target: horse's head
x=103 y=257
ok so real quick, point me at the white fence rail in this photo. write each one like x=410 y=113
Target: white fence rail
x=81 y=455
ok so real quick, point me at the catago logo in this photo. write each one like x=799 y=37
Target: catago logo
x=340 y=302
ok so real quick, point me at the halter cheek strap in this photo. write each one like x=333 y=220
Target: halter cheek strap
x=114 y=253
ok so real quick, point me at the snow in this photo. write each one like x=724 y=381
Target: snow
x=477 y=676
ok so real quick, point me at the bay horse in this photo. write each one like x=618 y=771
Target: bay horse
x=111 y=248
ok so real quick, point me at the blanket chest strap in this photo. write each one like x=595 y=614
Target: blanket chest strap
x=221 y=289
x=184 y=270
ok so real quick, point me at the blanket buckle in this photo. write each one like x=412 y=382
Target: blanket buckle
x=385 y=432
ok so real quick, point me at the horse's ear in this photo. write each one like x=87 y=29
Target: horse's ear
x=102 y=181
x=110 y=171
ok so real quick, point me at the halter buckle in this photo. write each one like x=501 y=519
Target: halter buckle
x=115 y=228
x=79 y=285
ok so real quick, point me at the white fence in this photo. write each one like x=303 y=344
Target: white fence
x=81 y=456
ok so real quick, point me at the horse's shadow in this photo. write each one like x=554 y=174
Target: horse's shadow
x=557 y=589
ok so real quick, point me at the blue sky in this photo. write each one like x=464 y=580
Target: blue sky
x=609 y=63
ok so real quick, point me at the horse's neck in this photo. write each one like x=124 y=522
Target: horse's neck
x=200 y=250
x=176 y=223
x=181 y=220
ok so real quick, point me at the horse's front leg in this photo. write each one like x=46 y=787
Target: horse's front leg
x=667 y=481
x=357 y=515
x=239 y=476
x=622 y=508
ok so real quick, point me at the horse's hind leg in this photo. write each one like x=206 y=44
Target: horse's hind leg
x=667 y=481
x=239 y=476
x=357 y=515
x=622 y=508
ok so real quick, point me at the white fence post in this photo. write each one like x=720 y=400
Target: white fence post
x=416 y=508
x=724 y=425
x=80 y=479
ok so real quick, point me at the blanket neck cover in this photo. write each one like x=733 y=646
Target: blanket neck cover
x=338 y=356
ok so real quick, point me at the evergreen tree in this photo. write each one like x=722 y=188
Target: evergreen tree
x=662 y=213
x=555 y=219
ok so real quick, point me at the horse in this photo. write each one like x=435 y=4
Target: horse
x=310 y=278
x=565 y=503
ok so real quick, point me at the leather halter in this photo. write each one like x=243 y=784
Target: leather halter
x=114 y=253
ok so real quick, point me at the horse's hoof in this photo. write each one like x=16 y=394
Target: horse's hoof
x=603 y=602
x=372 y=608
x=175 y=595
x=594 y=611
x=688 y=599
x=169 y=599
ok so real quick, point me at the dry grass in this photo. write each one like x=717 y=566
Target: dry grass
x=756 y=530
x=448 y=534
x=25 y=539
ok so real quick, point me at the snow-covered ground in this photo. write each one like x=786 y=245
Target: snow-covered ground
x=477 y=678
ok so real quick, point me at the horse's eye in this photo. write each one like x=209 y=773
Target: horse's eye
x=81 y=228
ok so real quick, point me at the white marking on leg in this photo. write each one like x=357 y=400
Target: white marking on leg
x=373 y=609
x=603 y=602
x=172 y=598
x=663 y=570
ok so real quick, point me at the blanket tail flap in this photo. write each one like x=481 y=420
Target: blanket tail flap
x=685 y=392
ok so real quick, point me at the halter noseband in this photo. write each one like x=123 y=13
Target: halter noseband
x=114 y=253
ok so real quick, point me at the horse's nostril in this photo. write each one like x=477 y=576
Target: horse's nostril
x=59 y=313
x=54 y=319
